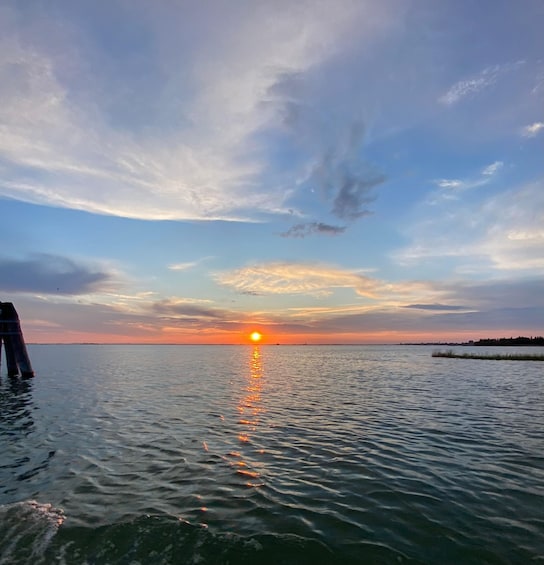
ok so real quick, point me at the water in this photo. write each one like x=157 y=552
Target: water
x=275 y=455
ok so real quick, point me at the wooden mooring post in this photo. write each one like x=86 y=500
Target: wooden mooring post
x=14 y=345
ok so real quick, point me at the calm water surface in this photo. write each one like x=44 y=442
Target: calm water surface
x=276 y=455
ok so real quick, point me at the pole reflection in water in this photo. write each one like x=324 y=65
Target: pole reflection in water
x=16 y=407
x=21 y=459
x=250 y=409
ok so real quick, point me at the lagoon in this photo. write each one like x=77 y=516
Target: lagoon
x=270 y=454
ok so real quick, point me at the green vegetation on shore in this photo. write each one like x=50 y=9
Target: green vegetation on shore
x=493 y=356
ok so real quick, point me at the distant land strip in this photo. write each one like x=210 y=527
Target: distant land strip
x=510 y=341
x=494 y=342
x=493 y=356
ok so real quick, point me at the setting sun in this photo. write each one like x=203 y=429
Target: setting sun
x=255 y=336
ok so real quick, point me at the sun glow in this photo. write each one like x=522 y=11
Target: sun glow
x=255 y=337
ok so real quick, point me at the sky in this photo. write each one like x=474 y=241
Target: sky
x=321 y=171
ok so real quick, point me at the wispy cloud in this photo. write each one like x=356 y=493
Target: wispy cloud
x=321 y=280
x=437 y=307
x=476 y=83
x=296 y=278
x=533 y=129
x=451 y=186
x=471 y=307
x=103 y=169
x=182 y=266
x=514 y=239
x=187 y=265
x=492 y=169
x=193 y=148
x=473 y=85
x=502 y=232
x=451 y=183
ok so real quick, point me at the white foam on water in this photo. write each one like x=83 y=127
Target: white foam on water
x=26 y=529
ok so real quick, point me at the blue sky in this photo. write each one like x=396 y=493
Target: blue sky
x=323 y=171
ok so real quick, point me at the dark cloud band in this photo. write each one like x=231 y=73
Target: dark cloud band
x=49 y=274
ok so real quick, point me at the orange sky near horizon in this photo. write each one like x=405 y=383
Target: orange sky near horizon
x=40 y=336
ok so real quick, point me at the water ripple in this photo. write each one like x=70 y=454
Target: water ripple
x=289 y=454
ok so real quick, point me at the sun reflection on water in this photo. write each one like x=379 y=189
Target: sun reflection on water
x=250 y=409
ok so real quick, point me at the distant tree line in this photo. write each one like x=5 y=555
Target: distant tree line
x=511 y=341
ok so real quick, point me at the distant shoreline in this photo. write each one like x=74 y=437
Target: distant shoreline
x=494 y=342
x=489 y=356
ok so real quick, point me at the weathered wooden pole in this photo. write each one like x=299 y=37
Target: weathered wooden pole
x=17 y=359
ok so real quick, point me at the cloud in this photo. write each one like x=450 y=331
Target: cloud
x=82 y=130
x=296 y=278
x=501 y=319
x=51 y=274
x=451 y=186
x=339 y=182
x=341 y=176
x=507 y=293
x=472 y=308
x=514 y=239
x=354 y=194
x=533 y=129
x=187 y=265
x=476 y=83
x=207 y=112
x=71 y=155
x=183 y=266
x=173 y=320
x=318 y=281
x=499 y=233
x=177 y=308
x=492 y=169
x=437 y=307
x=435 y=325
x=303 y=230
x=466 y=87
x=451 y=183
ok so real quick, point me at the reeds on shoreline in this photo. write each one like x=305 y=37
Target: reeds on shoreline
x=450 y=354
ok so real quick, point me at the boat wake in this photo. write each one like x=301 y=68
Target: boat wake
x=26 y=530
x=31 y=534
